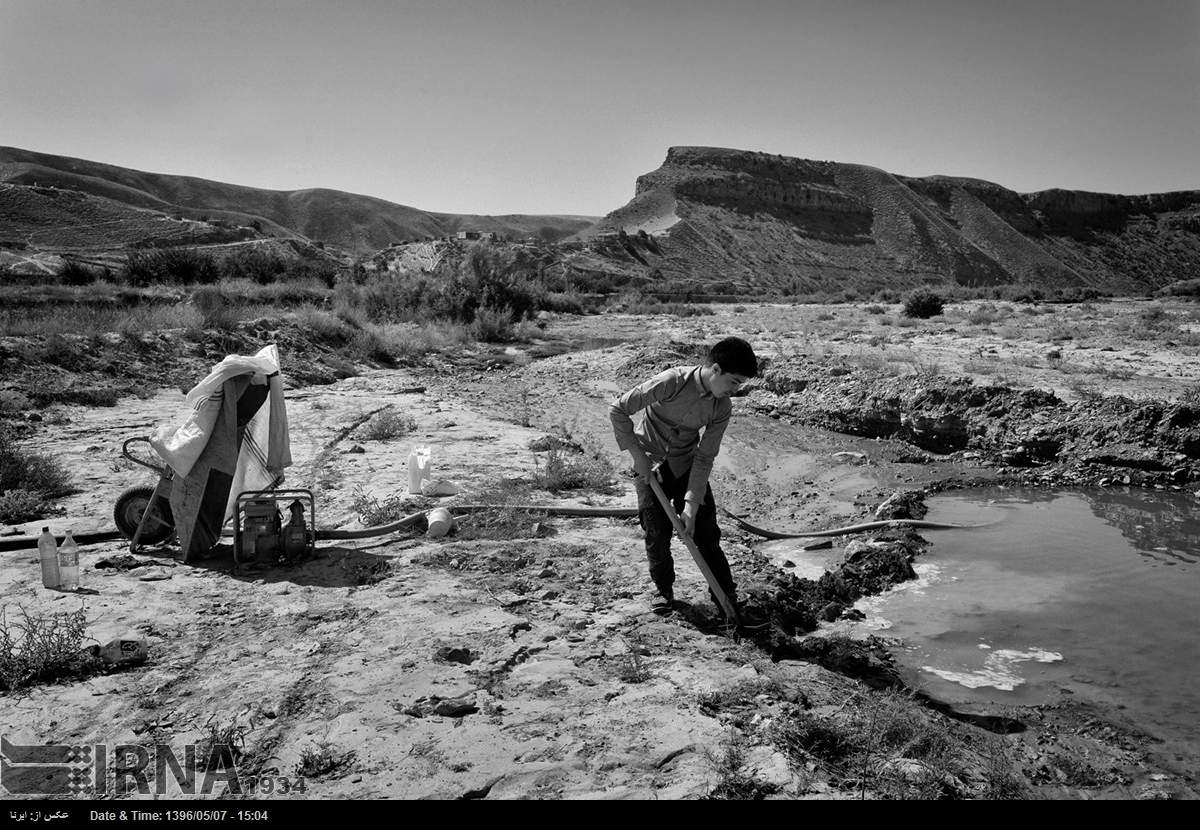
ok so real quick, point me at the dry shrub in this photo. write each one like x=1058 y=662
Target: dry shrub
x=19 y=505
x=40 y=648
x=922 y=303
x=734 y=781
x=323 y=760
x=504 y=519
x=493 y=325
x=221 y=747
x=387 y=425
x=372 y=512
x=28 y=482
x=570 y=471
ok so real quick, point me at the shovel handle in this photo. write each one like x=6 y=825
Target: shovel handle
x=726 y=605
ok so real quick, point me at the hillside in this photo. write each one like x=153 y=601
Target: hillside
x=355 y=223
x=709 y=221
x=761 y=220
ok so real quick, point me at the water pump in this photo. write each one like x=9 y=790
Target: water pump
x=260 y=534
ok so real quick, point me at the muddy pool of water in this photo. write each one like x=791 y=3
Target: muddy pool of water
x=1090 y=593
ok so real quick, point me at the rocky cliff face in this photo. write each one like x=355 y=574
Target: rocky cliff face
x=748 y=218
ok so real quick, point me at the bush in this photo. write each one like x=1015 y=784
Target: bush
x=216 y=309
x=263 y=267
x=372 y=512
x=65 y=352
x=43 y=647
x=20 y=505
x=72 y=272
x=32 y=472
x=387 y=425
x=565 y=471
x=367 y=344
x=493 y=325
x=923 y=303
x=179 y=266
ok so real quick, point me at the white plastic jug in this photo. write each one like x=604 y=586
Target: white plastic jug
x=419 y=468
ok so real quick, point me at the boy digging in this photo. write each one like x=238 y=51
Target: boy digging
x=685 y=413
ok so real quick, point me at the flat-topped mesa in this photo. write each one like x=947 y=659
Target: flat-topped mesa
x=765 y=219
x=716 y=176
x=721 y=174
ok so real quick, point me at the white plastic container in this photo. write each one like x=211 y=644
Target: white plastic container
x=48 y=557
x=440 y=522
x=68 y=564
x=420 y=468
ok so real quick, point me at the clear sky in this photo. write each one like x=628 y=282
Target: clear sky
x=556 y=106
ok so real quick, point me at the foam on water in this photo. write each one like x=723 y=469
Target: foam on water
x=999 y=669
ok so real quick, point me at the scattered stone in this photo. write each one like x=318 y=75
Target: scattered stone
x=670 y=755
x=902 y=505
x=455 y=654
x=456 y=708
x=831 y=611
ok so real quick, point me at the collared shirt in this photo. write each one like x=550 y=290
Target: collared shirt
x=675 y=408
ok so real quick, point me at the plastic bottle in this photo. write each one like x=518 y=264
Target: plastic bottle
x=48 y=556
x=129 y=649
x=68 y=564
x=420 y=468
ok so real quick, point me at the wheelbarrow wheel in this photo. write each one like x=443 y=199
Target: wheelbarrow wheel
x=130 y=509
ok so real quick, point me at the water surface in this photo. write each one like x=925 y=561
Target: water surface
x=1091 y=593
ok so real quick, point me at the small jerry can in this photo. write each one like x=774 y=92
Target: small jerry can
x=420 y=468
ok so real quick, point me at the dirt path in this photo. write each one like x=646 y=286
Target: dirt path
x=521 y=667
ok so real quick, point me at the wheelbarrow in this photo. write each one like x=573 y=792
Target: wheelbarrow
x=143 y=513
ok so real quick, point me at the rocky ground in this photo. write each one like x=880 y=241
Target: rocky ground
x=518 y=657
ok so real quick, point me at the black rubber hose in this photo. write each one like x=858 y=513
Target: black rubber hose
x=31 y=542
x=848 y=529
x=18 y=543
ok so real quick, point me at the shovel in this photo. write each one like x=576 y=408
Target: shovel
x=731 y=614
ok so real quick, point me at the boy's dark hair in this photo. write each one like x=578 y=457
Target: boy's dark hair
x=735 y=356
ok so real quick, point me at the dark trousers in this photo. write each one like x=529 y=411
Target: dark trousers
x=659 y=530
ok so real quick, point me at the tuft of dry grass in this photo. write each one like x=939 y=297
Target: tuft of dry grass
x=220 y=747
x=323 y=760
x=887 y=744
x=387 y=425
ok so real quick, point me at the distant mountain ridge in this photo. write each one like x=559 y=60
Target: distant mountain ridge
x=355 y=223
x=749 y=218
x=714 y=220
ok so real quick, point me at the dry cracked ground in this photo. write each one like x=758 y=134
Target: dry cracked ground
x=527 y=663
